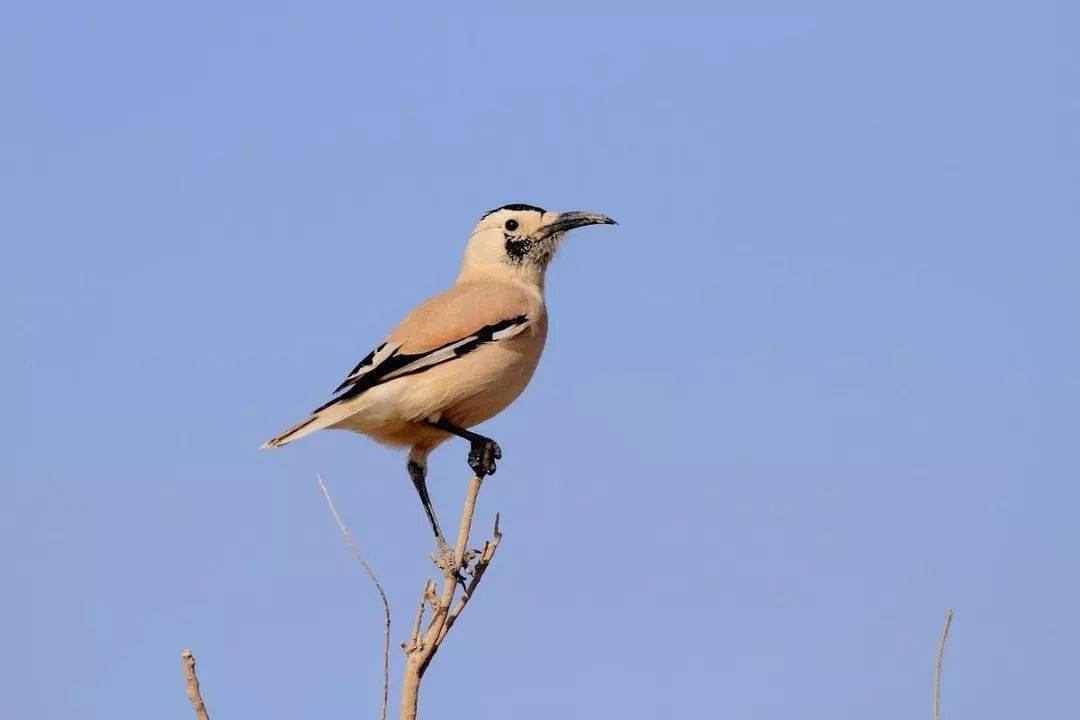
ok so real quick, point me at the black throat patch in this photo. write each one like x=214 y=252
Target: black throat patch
x=517 y=248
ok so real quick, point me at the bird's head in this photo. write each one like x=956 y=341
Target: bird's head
x=518 y=241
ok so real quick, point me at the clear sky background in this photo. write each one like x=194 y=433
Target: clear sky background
x=819 y=385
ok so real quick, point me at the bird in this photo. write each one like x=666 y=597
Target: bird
x=462 y=356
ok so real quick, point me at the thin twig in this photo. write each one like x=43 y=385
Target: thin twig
x=466 y=519
x=382 y=595
x=414 y=638
x=193 y=693
x=940 y=658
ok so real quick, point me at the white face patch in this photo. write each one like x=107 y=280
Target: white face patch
x=506 y=239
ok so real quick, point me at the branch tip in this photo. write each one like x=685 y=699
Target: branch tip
x=192 y=680
x=940 y=659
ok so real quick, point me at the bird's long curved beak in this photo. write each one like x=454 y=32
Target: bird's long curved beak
x=574 y=219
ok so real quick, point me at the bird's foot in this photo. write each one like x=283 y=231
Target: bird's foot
x=444 y=560
x=482 y=456
x=446 y=554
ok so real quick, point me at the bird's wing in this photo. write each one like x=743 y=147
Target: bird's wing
x=442 y=329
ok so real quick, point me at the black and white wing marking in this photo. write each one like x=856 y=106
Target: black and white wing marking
x=373 y=360
x=386 y=362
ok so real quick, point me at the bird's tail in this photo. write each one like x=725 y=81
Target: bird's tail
x=321 y=418
x=296 y=431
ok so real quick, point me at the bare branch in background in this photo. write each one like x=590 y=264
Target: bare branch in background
x=940 y=658
x=382 y=595
x=193 y=693
x=422 y=647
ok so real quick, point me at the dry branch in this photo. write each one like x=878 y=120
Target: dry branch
x=193 y=693
x=940 y=658
x=422 y=647
x=382 y=595
x=483 y=560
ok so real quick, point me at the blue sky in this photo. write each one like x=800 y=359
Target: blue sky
x=820 y=384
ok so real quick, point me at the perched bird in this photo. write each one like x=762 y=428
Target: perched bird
x=461 y=357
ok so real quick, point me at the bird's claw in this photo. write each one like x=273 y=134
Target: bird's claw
x=445 y=562
x=444 y=558
x=482 y=457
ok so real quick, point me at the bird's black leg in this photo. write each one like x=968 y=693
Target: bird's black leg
x=446 y=554
x=483 y=451
x=418 y=474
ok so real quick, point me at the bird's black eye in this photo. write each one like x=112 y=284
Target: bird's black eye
x=511 y=224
